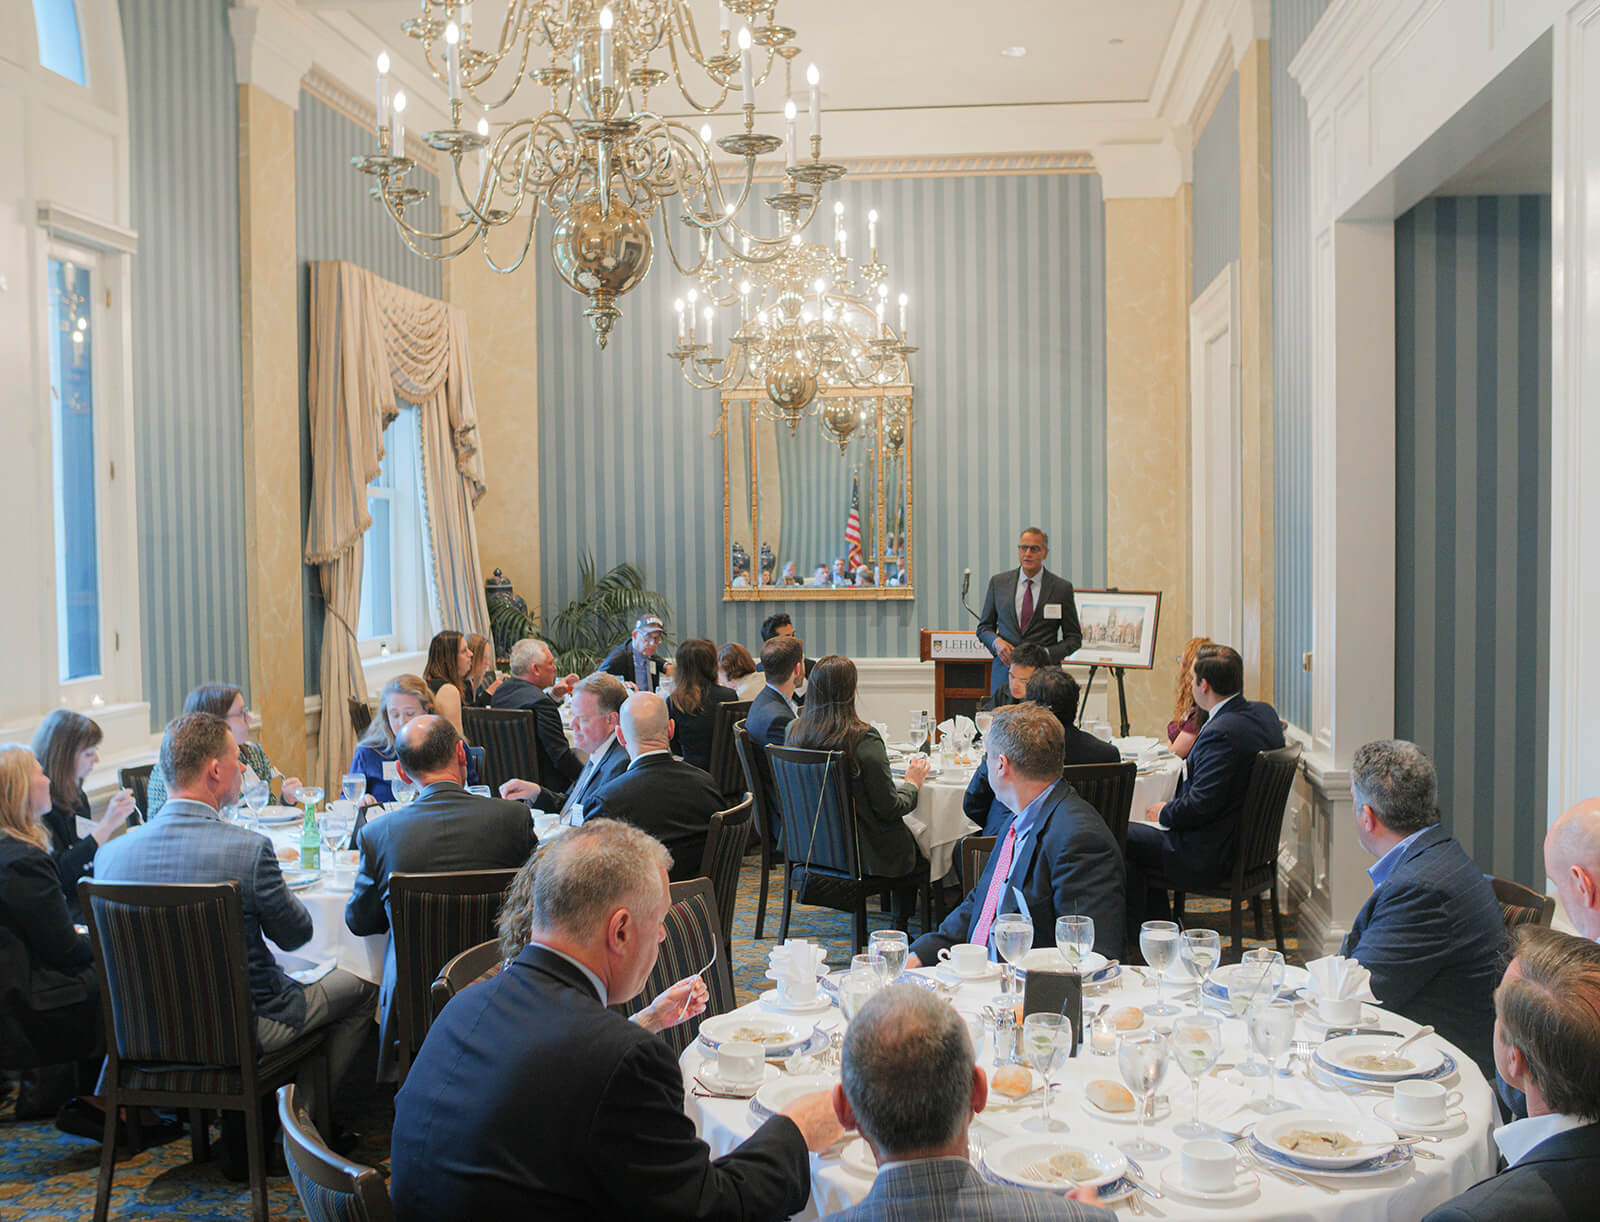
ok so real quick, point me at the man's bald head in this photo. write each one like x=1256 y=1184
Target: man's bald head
x=1572 y=860
x=645 y=724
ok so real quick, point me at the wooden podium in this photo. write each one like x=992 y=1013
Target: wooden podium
x=960 y=670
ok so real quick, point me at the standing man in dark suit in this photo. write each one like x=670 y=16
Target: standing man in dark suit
x=1199 y=829
x=596 y=713
x=445 y=828
x=1546 y=1044
x=1431 y=932
x=1028 y=606
x=533 y=668
x=668 y=798
x=634 y=661
x=1055 y=855
x=530 y=1099
x=775 y=705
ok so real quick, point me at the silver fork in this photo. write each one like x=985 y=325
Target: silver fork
x=687 y=1001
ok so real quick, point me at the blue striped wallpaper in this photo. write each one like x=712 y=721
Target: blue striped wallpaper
x=336 y=219
x=1472 y=520
x=187 y=396
x=1007 y=281
x=1216 y=189
x=1292 y=22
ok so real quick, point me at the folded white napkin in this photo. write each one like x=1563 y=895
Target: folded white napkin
x=796 y=960
x=1339 y=979
x=958 y=726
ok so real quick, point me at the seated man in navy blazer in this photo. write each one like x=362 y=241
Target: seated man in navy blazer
x=775 y=706
x=634 y=661
x=533 y=669
x=1055 y=856
x=1199 y=832
x=531 y=1099
x=1546 y=1044
x=596 y=713
x=1431 y=932
x=670 y=799
x=1057 y=691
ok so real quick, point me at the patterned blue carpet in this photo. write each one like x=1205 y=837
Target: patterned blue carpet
x=45 y=1174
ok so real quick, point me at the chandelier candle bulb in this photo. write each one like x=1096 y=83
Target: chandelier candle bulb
x=452 y=59
x=814 y=79
x=400 y=124
x=606 y=21
x=903 y=300
x=788 y=133
x=464 y=18
x=872 y=233
x=723 y=19
x=483 y=159
x=747 y=74
x=709 y=315
x=383 y=93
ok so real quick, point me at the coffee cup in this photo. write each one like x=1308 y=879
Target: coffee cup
x=1207 y=1166
x=1417 y=1102
x=966 y=958
x=797 y=990
x=1339 y=1011
x=740 y=1063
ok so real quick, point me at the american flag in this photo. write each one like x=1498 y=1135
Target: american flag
x=852 y=524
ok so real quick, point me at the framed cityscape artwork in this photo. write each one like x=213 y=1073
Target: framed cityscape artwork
x=1119 y=628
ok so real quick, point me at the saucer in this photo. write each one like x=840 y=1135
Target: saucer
x=1163 y=1111
x=1369 y=1018
x=819 y=1005
x=1245 y=1186
x=1455 y=1119
x=950 y=976
x=712 y=1080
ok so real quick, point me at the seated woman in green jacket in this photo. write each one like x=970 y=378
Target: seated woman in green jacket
x=828 y=722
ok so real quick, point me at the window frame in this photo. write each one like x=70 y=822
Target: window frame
x=408 y=544
x=83 y=45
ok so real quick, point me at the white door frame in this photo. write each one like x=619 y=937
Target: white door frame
x=1216 y=453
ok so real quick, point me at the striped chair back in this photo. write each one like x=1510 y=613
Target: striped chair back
x=174 y=969
x=819 y=818
x=507 y=739
x=1109 y=789
x=972 y=856
x=330 y=1187
x=434 y=918
x=725 y=769
x=726 y=839
x=691 y=943
x=1521 y=905
x=360 y=715
x=138 y=781
x=464 y=969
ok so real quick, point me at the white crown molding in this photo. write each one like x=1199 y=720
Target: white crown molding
x=1337 y=50
x=271 y=48
x=72 y=225
x=1249 y=22
x=1141 y=169
x=1209 y=40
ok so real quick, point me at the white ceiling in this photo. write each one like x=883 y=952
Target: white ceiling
x=919 y=77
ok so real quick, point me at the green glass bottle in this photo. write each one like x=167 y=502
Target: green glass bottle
x=310 y=840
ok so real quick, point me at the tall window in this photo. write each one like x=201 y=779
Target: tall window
x=72 y=417
x=395 y=558
x=60 y=38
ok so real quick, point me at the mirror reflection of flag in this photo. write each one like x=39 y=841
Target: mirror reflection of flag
x=852 y=523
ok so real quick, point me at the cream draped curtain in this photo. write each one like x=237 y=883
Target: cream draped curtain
x=373 y=343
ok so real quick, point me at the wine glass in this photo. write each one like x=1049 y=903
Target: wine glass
x=1074 y=939
x=984 y=719
x=892 y=945
x=1196 y=1044
x=1201 y=950
x=336 y=825
x=1013 y=938
x=1046 y=1040
x=1259 y=974
x=256 y=796
x=872 y=962
x=856 y=986
x=1158 y=943
x=353 y=786
x=1271 y=1024
x=1142 y=1061
x=311 y=795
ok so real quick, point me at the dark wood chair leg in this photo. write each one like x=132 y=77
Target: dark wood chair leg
x=885 y=901
x=199 y=1134
x=108 y=1158
x=1277 y=917
x=761 y=902
x=927 y=904
x=322 y=1075
x=788 y=899
x=861 y=924
x=1261 y=922
x=256 y=1147
x=1179 y=900
x=1236 y=927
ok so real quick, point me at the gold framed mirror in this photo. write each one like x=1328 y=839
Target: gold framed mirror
x=791 y=487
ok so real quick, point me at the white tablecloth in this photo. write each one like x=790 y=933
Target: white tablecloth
x=1156 y=783
x=1405 y=1194
x=331 y=939
x=938 y=821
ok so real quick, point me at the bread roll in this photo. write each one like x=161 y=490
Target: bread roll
x=1128 y=1018
x=288 y=855
x=1110 y=1096
x=1012 y=1081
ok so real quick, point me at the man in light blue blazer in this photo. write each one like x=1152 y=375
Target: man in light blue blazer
x=909 y=1084
x=1431 y=932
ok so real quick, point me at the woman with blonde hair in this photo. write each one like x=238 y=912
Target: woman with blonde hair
x=66 y=744
x=1187 y=716
x=482 y=678
x=736 y=669
x=404 y=698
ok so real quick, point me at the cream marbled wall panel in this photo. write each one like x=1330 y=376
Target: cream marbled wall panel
x=1147 y=427
x=1255 y=315
x=503 y=344
x=270 y=336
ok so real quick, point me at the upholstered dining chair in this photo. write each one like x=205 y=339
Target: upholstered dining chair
x=470 y=965
x=434 y=917
x=507 y=739
x=768 y=822
x=726 y=838
x=137 y=780
x=180 y=1026
x=725 y=769
x=331 y=1188
x=360 y=715
x=1521 y=905
x=693 y=929
x=1109 y=789
x=972 y=854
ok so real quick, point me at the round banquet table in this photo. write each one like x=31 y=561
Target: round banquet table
x=937 y=821
x=1464 y=1155
x=331 y=940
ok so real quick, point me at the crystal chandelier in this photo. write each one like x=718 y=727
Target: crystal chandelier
x=598 y=158
x=810 y=321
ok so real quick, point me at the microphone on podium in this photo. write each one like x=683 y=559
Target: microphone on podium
x=966 y=583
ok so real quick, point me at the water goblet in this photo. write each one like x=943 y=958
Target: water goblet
x=1074 y=939
x=1158 y=943
x=985 y=719
x=405 y=792
x=1142 y=1061
x=337 y=821
x=256 y=796
x=892 y=945
x=1013 y=938
x=872 y=962
x=1259 y=974
x=1202 y=951
x=1046 y=1039
x=976 y=1030
x=856 y=987
x=1196 y=1044
x=1271 y=1024
x=311 y=795
x=353 y=787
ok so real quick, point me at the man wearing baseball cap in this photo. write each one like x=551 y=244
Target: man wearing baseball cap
x=634 y=661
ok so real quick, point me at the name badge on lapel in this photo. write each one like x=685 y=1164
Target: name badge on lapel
x=391 y=770
x=1052 y=610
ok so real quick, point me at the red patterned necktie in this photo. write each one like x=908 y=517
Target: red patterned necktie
x=997 y=884
x=1027 y=602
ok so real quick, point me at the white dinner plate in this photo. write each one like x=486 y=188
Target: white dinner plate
x=775 y=1096
x=858 y=1157
x=1245 y=1186
x=289 y=815
x=1014 y=1161
x=775 y=1035
x=1222 y=977
x=1338 y=1054
x=1397 y=1158
x=1163 y=1110
x=1374 y=1138
x=300 y=880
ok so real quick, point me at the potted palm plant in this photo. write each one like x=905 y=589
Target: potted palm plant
x=589 y=626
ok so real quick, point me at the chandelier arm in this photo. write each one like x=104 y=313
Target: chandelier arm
x=527 y=241
x=517 y=78
x=683 y=85
x=395 y=210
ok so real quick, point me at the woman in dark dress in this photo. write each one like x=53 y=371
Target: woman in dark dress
x=482 y=679
x=66 y=744
x=828 y=722
x=449 y=664
x=1187 y=716
x=693 y=703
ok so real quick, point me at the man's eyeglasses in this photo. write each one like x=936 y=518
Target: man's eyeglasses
x=1029 y=547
